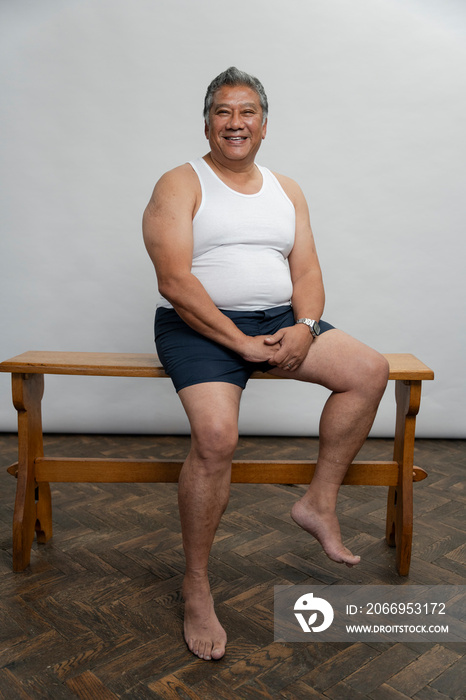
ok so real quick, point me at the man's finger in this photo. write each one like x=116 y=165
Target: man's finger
x=273 y=339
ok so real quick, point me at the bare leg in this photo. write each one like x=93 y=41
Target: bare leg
x=357 y=377
x=203 y=493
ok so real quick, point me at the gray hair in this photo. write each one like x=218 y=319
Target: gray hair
x=233 y=76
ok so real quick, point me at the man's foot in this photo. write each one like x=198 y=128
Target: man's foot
x=203 y=633
x=324 y=526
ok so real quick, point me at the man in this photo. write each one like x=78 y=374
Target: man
x=242 y=290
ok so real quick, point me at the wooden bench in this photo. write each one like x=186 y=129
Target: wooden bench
x=34 y=471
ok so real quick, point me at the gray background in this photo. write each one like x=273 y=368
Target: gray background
x=367 y=113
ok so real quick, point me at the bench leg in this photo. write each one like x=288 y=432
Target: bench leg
x=44 y=530
x=33 y=512
x=399 y=529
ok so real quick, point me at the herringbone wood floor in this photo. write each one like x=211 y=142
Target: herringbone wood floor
x=98 y=614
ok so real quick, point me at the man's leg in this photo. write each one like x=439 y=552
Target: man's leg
x=203 y=491
x=357 y=377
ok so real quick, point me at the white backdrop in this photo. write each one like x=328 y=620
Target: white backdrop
x=367 y=112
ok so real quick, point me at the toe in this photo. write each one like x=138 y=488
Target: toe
x=218 y=651
x=351 y=559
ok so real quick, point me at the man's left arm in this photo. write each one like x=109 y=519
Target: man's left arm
x=308 y=290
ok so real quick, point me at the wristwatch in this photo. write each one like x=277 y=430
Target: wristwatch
x=313 y=325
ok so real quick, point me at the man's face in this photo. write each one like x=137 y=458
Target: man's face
x=235 y=131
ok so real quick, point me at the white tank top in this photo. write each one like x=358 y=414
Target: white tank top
x=242 y=242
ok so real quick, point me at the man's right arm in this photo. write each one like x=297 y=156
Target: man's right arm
x=168 y=236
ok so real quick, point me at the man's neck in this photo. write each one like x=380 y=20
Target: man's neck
x=240 y=175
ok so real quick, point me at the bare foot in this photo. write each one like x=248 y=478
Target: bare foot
x=324 y=526
x=203 y=633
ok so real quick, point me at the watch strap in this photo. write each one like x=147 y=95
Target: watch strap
x=313 y=325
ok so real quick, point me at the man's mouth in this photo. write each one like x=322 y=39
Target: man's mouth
x=235 y=138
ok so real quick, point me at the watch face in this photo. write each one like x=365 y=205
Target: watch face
x=316 y=328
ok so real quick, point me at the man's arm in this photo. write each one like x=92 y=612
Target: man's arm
x=168 y=236
x=308 y=297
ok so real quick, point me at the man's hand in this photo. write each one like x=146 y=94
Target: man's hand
x=290 y=346
x=255 y=348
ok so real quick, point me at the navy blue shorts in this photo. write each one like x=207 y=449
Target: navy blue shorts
x=190 y=358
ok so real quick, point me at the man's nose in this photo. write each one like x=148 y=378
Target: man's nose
x=236 y=121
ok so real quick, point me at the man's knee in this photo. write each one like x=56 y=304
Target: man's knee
x=216 y=442
x=376 y=372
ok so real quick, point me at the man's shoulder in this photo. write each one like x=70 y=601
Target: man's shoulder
x=290 y=186
x=180 y=182
x=182 y=174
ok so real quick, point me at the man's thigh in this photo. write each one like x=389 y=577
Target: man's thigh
x=337 y=361
x=211 y=406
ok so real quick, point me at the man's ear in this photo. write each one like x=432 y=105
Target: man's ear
x=206 y=130
x=264 y=129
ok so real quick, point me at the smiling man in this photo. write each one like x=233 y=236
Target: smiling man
x=242 y=291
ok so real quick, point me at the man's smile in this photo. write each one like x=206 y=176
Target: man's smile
x=235 y=138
